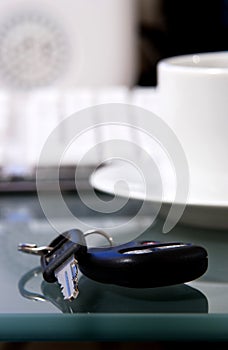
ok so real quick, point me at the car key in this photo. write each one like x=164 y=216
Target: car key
x=136 y=264
x=145 y=264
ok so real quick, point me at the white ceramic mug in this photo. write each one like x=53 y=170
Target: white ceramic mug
x=193 y=100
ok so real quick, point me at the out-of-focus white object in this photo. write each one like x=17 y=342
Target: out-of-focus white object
x=69 y=44
x=26 y=124
x=53 y=57
x=192 y=93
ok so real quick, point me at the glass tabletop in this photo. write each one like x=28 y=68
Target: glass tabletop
x=32 y=309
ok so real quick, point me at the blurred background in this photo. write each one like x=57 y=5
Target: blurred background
x=57 y=59
x=171 y=28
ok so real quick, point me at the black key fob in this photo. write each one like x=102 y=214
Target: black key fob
x=145 y=264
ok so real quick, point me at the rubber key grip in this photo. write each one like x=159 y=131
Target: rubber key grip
x=166 y=264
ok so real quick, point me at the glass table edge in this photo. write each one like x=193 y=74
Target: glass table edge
x=114 y=327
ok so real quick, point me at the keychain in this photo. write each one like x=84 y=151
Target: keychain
x=136 y=264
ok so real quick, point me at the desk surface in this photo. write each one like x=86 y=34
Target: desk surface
x=197 y=310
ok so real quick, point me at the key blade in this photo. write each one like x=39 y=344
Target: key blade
x=67 y=276
x=33 y=249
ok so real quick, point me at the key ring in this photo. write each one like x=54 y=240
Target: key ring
x=100 y=232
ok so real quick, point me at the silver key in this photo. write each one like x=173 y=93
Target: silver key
x=67 y=276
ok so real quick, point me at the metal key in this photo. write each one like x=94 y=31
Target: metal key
x=59 y=260
x=61 y=263
x=67 y=276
